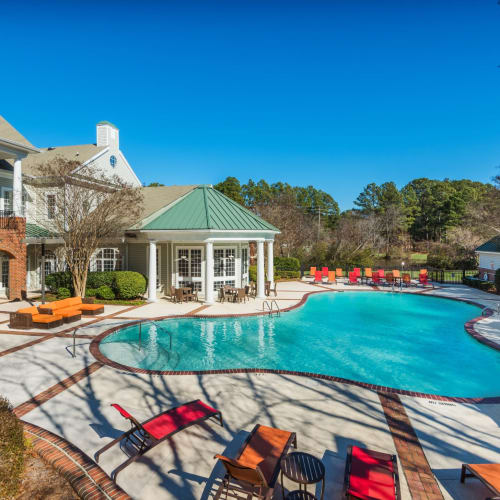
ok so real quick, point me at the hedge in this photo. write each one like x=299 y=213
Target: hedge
x=12 y=448
x=105 y=292
x=63 y=293
x=486 y=286
x=124 y=284
x=252 y=272
x=287 y=264
x=129 y=285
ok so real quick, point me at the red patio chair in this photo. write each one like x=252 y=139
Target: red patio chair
x=376 y=279
x=324 y=270
x=318 y=277
x=381 y=273
x=371 y=475
x=353 y=279
x=146 y=435
x=424 y=280
x=357 y=272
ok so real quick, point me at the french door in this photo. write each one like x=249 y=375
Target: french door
x=224 y=267
x=189 y=269
x=4 y=274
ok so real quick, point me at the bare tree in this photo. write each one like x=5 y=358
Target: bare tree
x=84 y=210
x=296 y=227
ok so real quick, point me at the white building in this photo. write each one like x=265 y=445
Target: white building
x=489 y=258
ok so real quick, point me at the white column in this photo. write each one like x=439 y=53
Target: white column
x=152 y=272
x=270 y=262
x=17 y=188
x=209 y=272
x=260 y=270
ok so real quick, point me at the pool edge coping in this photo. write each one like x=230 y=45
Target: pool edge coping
x=468 y=327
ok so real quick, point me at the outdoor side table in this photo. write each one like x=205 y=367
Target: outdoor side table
x=303 y=469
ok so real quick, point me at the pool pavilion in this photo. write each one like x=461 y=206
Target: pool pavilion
x=195 y=234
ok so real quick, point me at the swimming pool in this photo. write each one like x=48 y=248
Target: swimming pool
x=405 y=341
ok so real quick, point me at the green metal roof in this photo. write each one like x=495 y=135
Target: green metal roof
x=492 y=245
x=34 y=231
x=206 y=208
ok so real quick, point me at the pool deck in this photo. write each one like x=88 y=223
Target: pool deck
x=70 y=397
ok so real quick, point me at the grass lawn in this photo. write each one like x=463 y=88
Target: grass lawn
x=420 y=258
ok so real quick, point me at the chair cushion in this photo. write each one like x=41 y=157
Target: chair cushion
x=69 y=312
x=28 y=310
x=173 y=420
x=73 y=301
x=46 y=318
x=90 y=307
x=265 y=448
x=371 y=475
x=489 y=473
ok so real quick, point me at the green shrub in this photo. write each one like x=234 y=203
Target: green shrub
x=105 y=292
x=287 y=274
x=129 y=284
x=286 y=264
x=12 y=449
x=57 y=280
x=101 y=278
x=90 y=292
x=486 y=286
x=497 y=280
x=63 y=292
x=252 y=273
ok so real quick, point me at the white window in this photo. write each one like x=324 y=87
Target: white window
x=224 y=267
x=50 y=263
x=7 y=201
x=189 y=268
x=108 y=259
x=51 y=206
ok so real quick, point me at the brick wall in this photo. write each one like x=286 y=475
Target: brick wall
x=12 y=237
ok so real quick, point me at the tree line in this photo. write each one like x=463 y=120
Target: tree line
x=446 y=218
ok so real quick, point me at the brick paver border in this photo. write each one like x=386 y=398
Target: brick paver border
x=418 y=473
x=88 y=479
x=56 y=389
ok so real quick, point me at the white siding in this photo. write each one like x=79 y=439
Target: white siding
x=489 y=260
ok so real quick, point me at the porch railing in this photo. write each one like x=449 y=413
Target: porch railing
x=8 y=219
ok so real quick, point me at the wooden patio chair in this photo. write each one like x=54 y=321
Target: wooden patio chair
x=488 y=474
x=257 y=464
x=146 y=435
x=241 y=295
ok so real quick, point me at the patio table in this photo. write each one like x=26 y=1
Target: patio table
x=303 y=468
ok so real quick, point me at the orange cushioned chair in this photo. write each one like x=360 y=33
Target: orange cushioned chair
x=257 y=463
x=339 y=272
x=86 y=306
x=312 y=271
x=29 y=317
x=331 y=278
x=488 y=474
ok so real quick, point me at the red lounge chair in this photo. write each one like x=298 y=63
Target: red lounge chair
x=376 y=279
x=371 y=475
x=318 y=277
x=353 y=279
x=357 y=272
x=381 y=273
x=324 y=270
x=423 y=280
x=147 y=435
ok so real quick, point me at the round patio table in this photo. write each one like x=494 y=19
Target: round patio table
x=300 y=495
x=303 y=468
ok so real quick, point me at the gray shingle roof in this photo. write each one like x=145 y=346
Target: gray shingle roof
x=492 y=245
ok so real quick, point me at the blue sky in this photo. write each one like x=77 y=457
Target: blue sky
x=335 y=94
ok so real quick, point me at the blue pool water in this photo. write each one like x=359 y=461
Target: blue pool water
x=397 y=340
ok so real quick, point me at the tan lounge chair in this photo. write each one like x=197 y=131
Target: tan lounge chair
x=488 y=474
x=257 y=463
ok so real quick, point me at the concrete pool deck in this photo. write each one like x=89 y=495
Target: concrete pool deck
x=327 y=416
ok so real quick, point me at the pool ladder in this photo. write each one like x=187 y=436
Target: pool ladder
x=270 y=306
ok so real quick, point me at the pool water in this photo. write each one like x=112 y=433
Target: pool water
x=404 y=341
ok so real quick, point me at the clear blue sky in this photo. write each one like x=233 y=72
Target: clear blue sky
x=331 y=93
